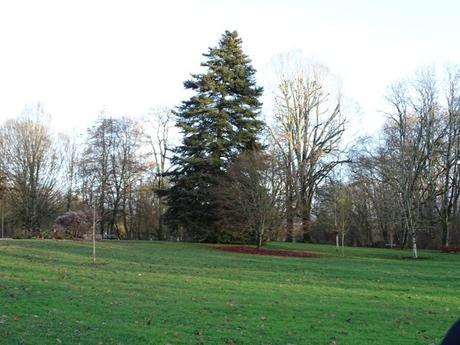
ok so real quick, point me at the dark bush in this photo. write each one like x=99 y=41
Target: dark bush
x=72 y=225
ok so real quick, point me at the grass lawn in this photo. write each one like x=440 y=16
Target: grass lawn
x=176 y=293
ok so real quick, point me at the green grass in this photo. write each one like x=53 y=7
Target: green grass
x=175 y=293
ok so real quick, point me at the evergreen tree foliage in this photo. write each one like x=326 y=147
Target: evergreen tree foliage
x=218 y=123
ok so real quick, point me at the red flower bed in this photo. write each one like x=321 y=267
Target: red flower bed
x=266 y=251
x=450 y=249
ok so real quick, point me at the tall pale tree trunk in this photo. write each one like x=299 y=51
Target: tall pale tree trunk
x=3 y=217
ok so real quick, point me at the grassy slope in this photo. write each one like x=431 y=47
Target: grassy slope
x=167 y=293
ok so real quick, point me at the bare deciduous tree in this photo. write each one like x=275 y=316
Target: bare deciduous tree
x=69 y=152
x=248 y=200
x=31 y=163
x=451 y=155
x=110 y=167
x=158 y=134
x=309 y=127
x=411 y=142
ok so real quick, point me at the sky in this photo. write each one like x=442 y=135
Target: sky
x=80 y=57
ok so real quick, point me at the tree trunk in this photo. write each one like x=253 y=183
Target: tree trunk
x=445 y=227
x=289 y=209
x=403 y=239
x=370 y=239
x=160 y=231
x=102 y=218
x=128 y=229
x=94 y=235
x=306 y=229
x=306 y=220
x=289 y=225
x=414 y=245
x=391 y=237
x=69 y=200
x=384 y=231
x=3 y=218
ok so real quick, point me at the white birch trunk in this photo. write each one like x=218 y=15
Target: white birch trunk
x=343 y=240
x=414 y=246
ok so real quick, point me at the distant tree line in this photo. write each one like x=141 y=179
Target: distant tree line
x=236 y=177
x=402 y=188
x=50 y=184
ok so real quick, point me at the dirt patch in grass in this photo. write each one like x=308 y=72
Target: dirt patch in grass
x=266 y=251
x=412 y=258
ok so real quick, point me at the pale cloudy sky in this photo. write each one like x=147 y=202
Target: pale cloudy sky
x=78 y=57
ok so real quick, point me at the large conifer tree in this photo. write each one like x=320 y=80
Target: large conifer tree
x=218 y=122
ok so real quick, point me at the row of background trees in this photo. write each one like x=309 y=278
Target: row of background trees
x=52 y=181
x=236 y=178
x=402 y=187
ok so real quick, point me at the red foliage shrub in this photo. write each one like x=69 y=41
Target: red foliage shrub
x=266 y=251
x=445 y=249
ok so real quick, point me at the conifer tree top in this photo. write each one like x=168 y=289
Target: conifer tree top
x=226 y=96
